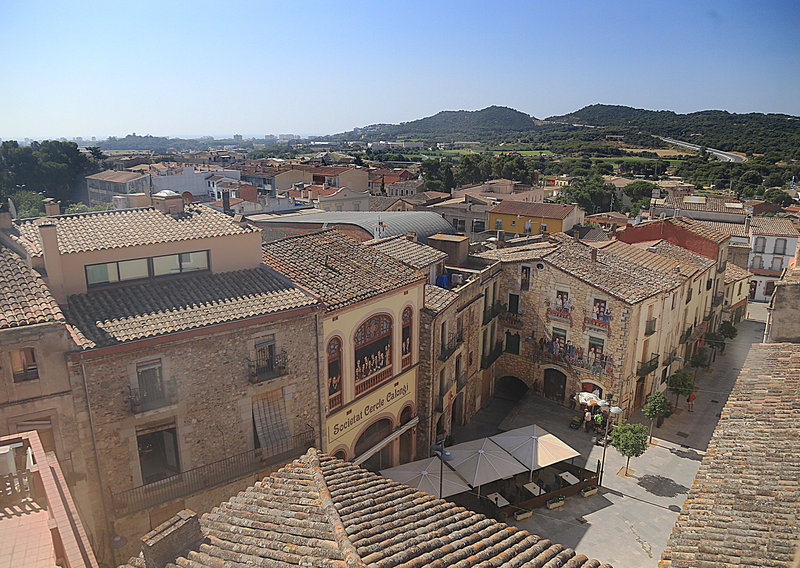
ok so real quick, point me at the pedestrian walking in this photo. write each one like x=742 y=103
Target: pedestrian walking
x=690 y=402
x=587 y=420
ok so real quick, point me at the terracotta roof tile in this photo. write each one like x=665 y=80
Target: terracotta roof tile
x=128 y=313
x=340 y=270
x=527 y=209
x=321 y=511
x=415 y=255
x=735 y=273
x=774 y=226
x=729 y=205
x=437 y=299
x=24 y=297
x=116 y=176
x=744 y=506
x=732 y=229
x=690 y=262
x=103 y=230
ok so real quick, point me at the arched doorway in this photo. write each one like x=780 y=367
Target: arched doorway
x=510 y=387
x=555 y=384
x=371 y=436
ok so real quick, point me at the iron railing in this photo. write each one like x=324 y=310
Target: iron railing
x=510 y=319
x=26 y=375
x=687 y=334
x=461 y=379
x=718 y=299
x=492 y=312
x=491 y=356
x=448 y=348
x=155 y=394
x=210 y=475
x=267 y=366
x=647 y=367
x=650 y=326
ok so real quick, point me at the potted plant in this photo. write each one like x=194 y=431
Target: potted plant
x=523 y=514
x=555 y=502
x=135 y=400
x=589 y=490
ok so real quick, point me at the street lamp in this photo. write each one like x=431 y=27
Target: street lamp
x=444 y=456
x=611 y=410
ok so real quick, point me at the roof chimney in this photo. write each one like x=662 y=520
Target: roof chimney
x=51 y=207
x=5 y=217
x=594 y=254
x=747 y=223
x=226 y=201
x=48 y=237
x=162 y=545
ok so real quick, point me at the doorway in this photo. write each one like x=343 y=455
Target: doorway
x=158 y=455
x=555 y=384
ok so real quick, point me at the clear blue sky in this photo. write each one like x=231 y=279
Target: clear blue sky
x=219 y=68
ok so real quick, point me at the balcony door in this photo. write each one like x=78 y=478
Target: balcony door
x=158 y=454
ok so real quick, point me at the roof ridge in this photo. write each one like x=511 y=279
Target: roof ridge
x=348 y=549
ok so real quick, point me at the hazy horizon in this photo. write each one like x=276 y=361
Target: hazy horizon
x=256 y=68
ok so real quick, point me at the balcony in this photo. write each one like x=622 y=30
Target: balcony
x=647 y=367
x=600 y=366
x=491 y=356
x=373 y=380
x=602 y=325
x=719 y=297
x=687 y=334
x=492 y=312
x=461 y=380
x=153 y=396
x=267 y=367
x=207 y=476
x=512 y=320
x=650 y=326
x=707 y=316
x=28 y=374
x=447 y=349
x=554 y=314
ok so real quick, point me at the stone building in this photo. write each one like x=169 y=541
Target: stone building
x=577 y=317
x=105 y=185
x=370 y=340
x=172 y=375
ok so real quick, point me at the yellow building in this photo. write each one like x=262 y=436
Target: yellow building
x=525 y=218
x=370 y=341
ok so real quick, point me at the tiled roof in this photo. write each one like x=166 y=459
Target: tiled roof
x=698 y=227
x=314 y=191
x=735 y=273
x=103 y=230
x=437 y=299
x=340 y=270
x=527 y=209
x=324 y=170
x=622 y=270
x=414 y=184
x=773 y=226
x=533 y=251
x=127 y=313
x=116 y=176
x=415 y=255
x=744 y=506
x=24 y=297
x=689 y=262
x=321 y=511
x=701 y=203
x=732 y=229
x=381 y=203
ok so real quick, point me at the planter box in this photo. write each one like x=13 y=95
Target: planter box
x=522 y=515
x=555 y=505
x=588 y=491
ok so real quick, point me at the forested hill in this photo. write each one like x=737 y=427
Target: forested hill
x=754 y=133
x=457 y=124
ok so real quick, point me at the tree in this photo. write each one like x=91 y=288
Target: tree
x=655 y=406
x=358 y=161
x=28 y=204
x=776 y=195
x=700 y=359
x=728 y=330
x=449 y=180
x=630 y=440
x=681 y=383
x=639 y=190
x=96 y=153
x=715 y=340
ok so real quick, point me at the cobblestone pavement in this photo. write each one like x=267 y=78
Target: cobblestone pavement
x=628 y=522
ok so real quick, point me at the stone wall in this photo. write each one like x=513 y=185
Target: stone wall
x=784 y=315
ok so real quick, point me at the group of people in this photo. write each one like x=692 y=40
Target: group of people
x=593 y=417
x=373 y=363
x=556 y=348
x=601 y=313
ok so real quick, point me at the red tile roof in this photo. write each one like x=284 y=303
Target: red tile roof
x=116 y=176
x=527 y=209
x=25 y=299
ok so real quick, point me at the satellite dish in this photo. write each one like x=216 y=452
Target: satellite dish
x=12 y=208
x=187 y=196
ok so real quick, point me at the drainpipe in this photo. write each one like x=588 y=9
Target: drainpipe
x=320 y=386
x=97 y=462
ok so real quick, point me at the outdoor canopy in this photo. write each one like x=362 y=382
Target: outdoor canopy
x=424 y=475
x=482 y=461
x=534 y=446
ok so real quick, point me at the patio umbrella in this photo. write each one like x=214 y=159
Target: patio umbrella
x=587 y=398
x=424 y=475
x=482 y=461
x=534 y=447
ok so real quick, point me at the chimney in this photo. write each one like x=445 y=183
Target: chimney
x=594 y=254
x=51 y=207
x=5 y=217
x=226 y=201
x=747 y=223
x=172 y=538
x=48 y=237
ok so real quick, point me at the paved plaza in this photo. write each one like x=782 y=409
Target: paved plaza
x=628 y=522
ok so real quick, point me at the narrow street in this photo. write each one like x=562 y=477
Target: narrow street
x=627 y=524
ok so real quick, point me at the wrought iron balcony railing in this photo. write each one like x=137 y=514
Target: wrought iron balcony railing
x=267 y=367
x=647 y=367
x=719 y=297
x=491 y=356
x=510 y=319
x=492 y=312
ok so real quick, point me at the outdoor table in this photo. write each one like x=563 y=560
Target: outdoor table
x=498 y=499
x=533 y=488
x=568 y=477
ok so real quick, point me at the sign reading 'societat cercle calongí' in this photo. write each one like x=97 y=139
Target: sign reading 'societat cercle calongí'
x=350 y=420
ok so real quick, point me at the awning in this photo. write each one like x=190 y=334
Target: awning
x=424 y=475
x=386 y=441
x=534 y=446
x=482 y=461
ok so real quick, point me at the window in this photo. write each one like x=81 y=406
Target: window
x=512 y=343
x=780 y=246
x=689 y=295
x=595 y=352
x=758 y=262
x=268 y=362
x=708 y=284
x=543 y=228
x=23 y=365
x=599 y=310
x=498 y=224
x=760 y=244
x=154 y=392
x=158 y=454
x=356 y=206
x=373 y=352
x=528 y=227
x=406 y=337
x=777 y=263
x=560 y=337
x=562 y=301
x=525 y=282
x=139 y=268
x=271 y=424
x=769 y=287
x=334 y=373
x=513 y=222
x=739 y=293
x=478 y=226
x=513 y=303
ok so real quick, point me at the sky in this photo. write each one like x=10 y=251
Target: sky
x=254 y=68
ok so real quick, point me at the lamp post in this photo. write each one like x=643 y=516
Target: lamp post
x=443 y=455
x=611 y=410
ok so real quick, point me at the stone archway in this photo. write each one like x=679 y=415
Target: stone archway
x=510 y=387
x=555 y=385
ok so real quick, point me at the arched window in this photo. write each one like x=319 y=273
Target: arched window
x=334 y=373
x=373 y=352
x=340 y=455
x=407 y=319
x=376 y=432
